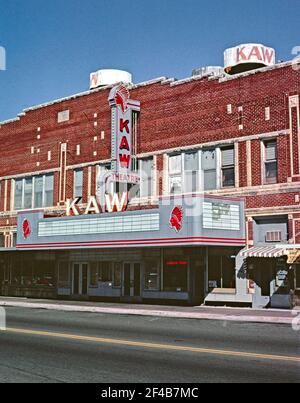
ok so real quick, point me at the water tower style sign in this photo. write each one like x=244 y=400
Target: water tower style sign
x=101 y=78
x=248 y=57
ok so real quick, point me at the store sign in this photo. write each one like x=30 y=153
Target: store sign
x=113 y=203
x=249 y=53
x=294 y=256
x=122 y=129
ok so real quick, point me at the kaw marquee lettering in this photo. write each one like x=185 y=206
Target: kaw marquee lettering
x=255 y=53
x=123 y=109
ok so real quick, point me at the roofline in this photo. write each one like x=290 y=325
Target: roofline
x=162 y=80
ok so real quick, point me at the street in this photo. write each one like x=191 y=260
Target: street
x=45 y=346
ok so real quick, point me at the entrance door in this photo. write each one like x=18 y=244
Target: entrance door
x=132 y=280
x=80 y=278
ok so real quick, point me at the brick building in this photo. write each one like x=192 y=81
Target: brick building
x=228 y=137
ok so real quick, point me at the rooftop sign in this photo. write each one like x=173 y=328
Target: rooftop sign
x=248 y=57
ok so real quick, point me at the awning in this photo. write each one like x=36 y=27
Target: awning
x=265 y=251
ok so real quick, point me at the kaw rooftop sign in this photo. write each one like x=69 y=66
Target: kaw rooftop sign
x=122 y=128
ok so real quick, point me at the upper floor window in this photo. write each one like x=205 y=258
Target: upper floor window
x=78 y=183
x=34 y=192
x=228 y=168
x=146 y=173
x=191 y=172
x=209 y=167
x=175 y=174
x=270 y=162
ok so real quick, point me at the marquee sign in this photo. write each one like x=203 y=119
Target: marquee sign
x=122 y=108
x=107 y=199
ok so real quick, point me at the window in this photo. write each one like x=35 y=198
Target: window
x=78 y=183
x=297 y=275
x=18 y=202
x=146 y=174
x=34 y=192
x=175 y=275
x=93 y=274
x=228 y=169
x=38 y=191
x=152 y=271
x=105 y=272
x=101 y=170
x=63 y=274
x=191 y=172
x=175 y=174
x=2 y=240
x=117 y=274
x=221 y=272
x=270 y=161
x=209 y=165
x=63 y=116
x=49 y=186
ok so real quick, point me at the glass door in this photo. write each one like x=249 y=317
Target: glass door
x=132 y=280
x=80 y=279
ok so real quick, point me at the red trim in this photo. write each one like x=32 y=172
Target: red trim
x=167 y=241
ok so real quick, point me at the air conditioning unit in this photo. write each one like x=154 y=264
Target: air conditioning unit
x=274 y=236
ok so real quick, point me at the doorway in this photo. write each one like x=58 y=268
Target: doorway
x=80 y=279
x=132 y=280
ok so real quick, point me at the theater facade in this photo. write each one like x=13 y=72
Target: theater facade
x=167 y=191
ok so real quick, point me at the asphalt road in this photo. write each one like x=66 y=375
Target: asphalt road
x=45 y=346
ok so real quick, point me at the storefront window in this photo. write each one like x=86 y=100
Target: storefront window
x=63 y=274
x=94 y=274
x=297 y=276
x=117 y=274
x=175 y=276
x=221 y=272
x=29 y=273
x=105 y=272
x=152 y=275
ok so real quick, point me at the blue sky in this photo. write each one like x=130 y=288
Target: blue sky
x=52 y=46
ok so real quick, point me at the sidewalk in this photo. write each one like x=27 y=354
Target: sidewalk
x=200 y=312
x=205 y=313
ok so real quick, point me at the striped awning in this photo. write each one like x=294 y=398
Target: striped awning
x=264 y=251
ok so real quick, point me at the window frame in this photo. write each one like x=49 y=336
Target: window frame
x=33 y=187
x=75 y=172
x=267 y=162
x=226 y=167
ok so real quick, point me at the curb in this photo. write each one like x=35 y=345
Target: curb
x=155 y=313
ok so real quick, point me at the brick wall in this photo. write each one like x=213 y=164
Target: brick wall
x=172 y=117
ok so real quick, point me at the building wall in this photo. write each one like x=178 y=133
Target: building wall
x=175 y=116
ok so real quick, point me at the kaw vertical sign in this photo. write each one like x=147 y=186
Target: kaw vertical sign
x=122 y=129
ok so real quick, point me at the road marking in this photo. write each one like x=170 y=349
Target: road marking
x=156 y=346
